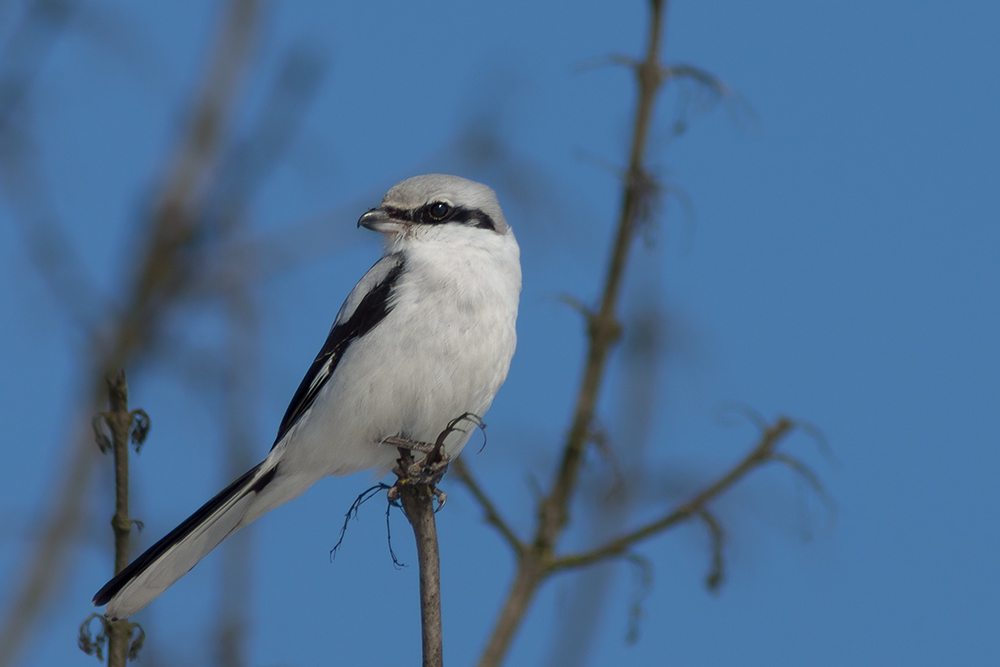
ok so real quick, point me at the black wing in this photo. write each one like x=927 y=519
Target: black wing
x=350 y=325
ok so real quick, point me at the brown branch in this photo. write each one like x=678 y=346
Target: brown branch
x=418 y=503
x=25 y=51
x=761 y=454
x=120 y=420
x=718 y=535
x=241 y=384
x=125 y=425
x=603 y=331
x=603 y=325
x=159 y=273
x=493 y=516
x=175 y=220
x=42 y=232
x=530 y=572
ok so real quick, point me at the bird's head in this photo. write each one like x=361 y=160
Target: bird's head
x=436 y=205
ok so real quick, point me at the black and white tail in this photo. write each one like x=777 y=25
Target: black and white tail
x=171 y=558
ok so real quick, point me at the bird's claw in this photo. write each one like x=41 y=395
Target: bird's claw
x=427 y=471
x=441 y=497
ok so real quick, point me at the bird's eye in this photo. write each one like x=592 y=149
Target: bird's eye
x=438 y=210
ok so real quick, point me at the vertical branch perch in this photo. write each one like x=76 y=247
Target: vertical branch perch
x=124 y=425
x=119 y=421
x=415 y=489
x=418 y=502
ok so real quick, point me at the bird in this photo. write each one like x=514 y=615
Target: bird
x=425 y=337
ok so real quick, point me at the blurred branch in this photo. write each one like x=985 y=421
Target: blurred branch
x=641 y=199
x=241 y=383
x=58 y=263
x=158 y=273
x=696 y=507
x=25 y=50
x=603 y=330
x=176 y=216
x=242 y=175
x=611 y=493
x=239 y=261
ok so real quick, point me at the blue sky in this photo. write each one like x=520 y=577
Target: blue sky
x=840 y=266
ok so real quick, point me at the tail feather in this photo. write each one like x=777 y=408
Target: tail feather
x=172 y=557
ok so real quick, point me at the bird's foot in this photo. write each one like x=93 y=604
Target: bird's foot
x=427 y=471
x=393 y=494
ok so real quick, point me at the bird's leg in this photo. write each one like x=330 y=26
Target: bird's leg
x=412 y=445
x=431 y=468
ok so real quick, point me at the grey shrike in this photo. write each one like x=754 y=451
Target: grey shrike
x=426 y=336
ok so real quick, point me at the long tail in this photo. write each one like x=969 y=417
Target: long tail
x=171 y=558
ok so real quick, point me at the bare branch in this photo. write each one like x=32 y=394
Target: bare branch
x=604 y=327
x=21 y=178
x=710 y=90
x=418 y=503
x=809 y=475
x=694 y=508
x=122 y=423
x=717 y=572
x=27 y=194
x=603 y=333
x=241 y=383
x=643 y=587
x=160 y=271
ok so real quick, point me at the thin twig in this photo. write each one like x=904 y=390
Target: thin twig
x=762 y=453
x=125 y=425
x=160 y=272
x=603 y=333
x=241 y=382
x=119 y=421
x=418 y=502
x=24 y=53
x=604 y=328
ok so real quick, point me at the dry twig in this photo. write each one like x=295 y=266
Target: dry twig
x=603 y=330
x=159 y=273
x=417 y=496
x=125 y=426
x=538 y=559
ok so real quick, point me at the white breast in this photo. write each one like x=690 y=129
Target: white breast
x=443 y=351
